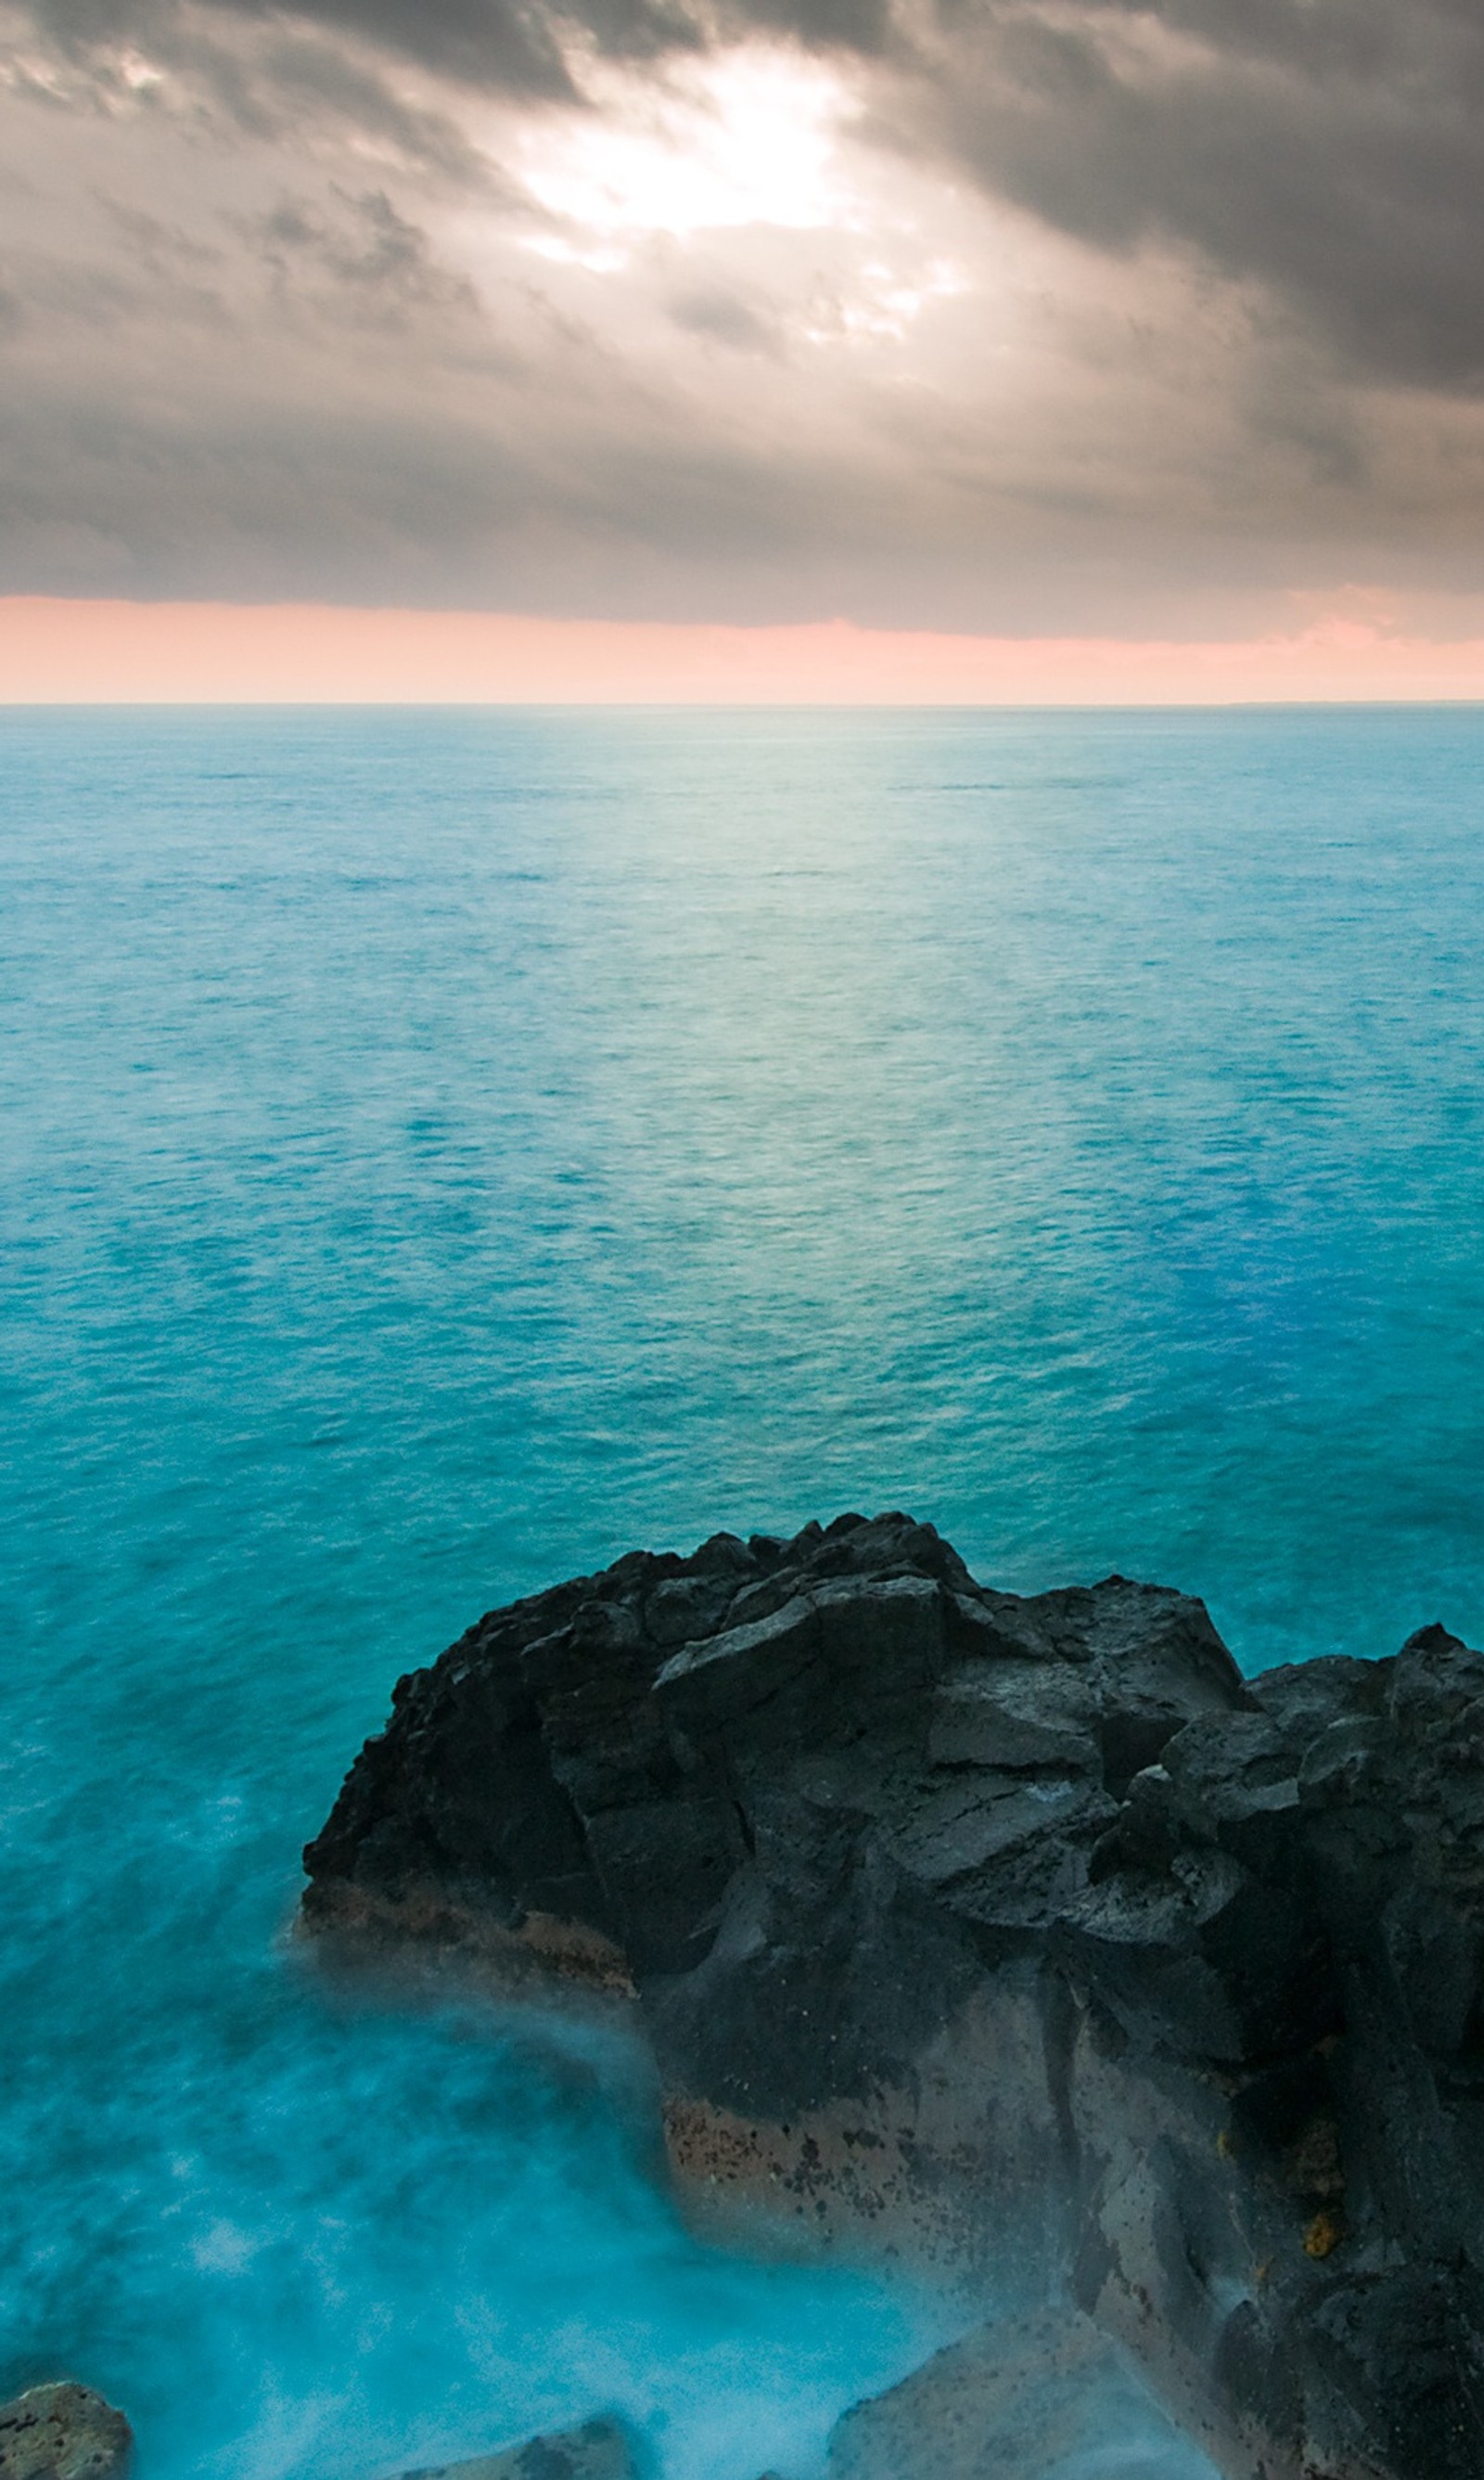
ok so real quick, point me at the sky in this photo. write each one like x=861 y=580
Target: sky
x=1006 y=321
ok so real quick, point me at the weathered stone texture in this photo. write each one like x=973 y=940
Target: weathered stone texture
x=62 y=2432
x=952 y=1913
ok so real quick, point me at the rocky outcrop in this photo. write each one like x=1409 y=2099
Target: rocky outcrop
x=982 y=1923
x=62 y=2432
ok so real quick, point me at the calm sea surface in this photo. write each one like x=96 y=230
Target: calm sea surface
x=443 y=1150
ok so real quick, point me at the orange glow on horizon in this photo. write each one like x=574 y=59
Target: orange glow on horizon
x=55 y=651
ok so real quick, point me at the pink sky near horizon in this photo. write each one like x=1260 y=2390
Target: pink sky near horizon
x=55 y=651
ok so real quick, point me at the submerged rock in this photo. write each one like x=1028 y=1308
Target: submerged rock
x=599 y=2450
x=1036 y=2397
x=62 y=2432
x=984 y=1923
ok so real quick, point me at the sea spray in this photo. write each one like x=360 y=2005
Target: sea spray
x=303 y=2235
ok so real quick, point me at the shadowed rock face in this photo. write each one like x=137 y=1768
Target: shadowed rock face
x=954 y=1915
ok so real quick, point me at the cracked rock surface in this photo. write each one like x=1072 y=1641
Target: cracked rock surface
x=951 y=1915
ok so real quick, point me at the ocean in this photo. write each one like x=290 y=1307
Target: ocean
x=443 y=1150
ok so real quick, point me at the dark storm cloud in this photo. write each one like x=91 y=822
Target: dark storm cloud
x=498 y=44
x=505 y=43
x=501 y=46
x=517 y=47
x=1327 y=149
x=286 y=307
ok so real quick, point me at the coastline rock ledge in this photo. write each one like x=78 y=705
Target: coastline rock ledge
x=1006 y=1929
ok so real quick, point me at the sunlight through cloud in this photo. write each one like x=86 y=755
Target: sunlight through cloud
x=747 y=138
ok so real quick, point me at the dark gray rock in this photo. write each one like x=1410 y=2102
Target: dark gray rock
x=953 y=1915
x=62 y=2432
x=599 y=2450
x=1045 y=2397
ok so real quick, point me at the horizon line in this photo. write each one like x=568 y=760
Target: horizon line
x=80 y=652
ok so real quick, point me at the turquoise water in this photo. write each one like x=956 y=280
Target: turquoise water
x=444 y=1151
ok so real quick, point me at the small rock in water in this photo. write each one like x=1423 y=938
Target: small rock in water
x=62 y=2432
x=601 y=2450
